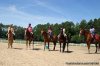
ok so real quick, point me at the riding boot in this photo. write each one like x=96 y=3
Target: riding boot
x=93 y=39
x=51 y=37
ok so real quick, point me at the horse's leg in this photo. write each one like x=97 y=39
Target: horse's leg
x=26 y=44
x=48 y=46
x=64 y=45
x=8 y=44
x=12 y=43
x=88 y=45
x=67 y=46
x=33 y=44
x=44 y=45
x=54 y=45
x=96 y=48
x=29 y=43
x=99 y=46
x=60 y=46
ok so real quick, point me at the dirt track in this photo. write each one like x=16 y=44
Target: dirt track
x=19 y=56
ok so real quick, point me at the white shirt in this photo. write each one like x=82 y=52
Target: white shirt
x=92 y=30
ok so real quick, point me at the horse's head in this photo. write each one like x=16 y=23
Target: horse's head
x=82 y=32
x=10 y=34
x=43 y=32
x=61 y=31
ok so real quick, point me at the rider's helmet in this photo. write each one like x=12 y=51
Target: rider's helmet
x=92 y=26
x=29 y=24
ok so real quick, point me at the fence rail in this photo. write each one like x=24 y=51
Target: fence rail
x=38 y=42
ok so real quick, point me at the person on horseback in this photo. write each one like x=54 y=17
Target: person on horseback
x=50 y=32
x=10 y=28
x=30 y=28
x=92 y=31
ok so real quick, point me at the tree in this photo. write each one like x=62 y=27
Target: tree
x=83 y=24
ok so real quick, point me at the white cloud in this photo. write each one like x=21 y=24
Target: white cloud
x=13 y=15
x=12 y=8
x=50 y=7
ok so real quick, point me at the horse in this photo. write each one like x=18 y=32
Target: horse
x=64 y=40
x=10 y=38
x=47 y=39
x=89 y=38
x=29 y=38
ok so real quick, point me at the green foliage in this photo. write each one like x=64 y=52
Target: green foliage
x=70 y=27
x=77 y=39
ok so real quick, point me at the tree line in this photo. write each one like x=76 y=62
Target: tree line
x=71 y=29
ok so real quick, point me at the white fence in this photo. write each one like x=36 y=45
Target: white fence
x=24 y=42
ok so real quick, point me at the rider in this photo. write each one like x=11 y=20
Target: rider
x=92 y=31
x=50 y=31
x=30 y=28
x=10 y=28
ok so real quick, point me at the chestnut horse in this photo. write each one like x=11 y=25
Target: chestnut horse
x=47 y=39
x=10 y=38
x=29 y=38
x=64 y=40
x=89 y=39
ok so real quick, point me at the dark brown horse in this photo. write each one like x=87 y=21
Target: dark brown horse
x=89 y=39
x=10 y=39
x=47 y=39
x=29 y=38
x=63 y=40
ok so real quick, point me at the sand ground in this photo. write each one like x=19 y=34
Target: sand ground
x=20 y=56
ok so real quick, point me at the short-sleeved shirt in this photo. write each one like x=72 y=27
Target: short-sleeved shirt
x=30 y=29
x=92 y=31
x=49 y=30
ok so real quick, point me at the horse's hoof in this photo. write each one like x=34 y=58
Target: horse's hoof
x=53 y=49
x=95 y=52
x=62 y=51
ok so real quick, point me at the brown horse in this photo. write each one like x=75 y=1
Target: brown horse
x=47 y=39
x=10 y=39
x=29 y=38
x=89 y=39
x=64 y=40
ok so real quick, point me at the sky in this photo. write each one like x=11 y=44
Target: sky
x=23 y=12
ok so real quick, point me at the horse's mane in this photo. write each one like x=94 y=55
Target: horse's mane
x=87 y=30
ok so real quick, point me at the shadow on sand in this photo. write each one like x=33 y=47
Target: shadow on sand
x=53 y=50
x=67 y=51
x=18 y=48
x=92 y=53
x=36 y=49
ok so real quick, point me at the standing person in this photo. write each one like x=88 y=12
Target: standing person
x=50 y=31
x=92 y=31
